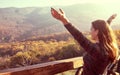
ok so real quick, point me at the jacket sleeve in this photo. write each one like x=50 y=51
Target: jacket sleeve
x=90 y=47
x=109 y=21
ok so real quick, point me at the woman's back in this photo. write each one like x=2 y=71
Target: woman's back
x=95 y=65
x=95 y=60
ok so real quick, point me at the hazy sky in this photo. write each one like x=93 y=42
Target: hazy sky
x=42 y=3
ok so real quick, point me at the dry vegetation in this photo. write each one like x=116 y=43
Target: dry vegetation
x=33 y=52
x=28 y=52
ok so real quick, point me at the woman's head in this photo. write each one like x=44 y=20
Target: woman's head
x=100 y=29
x=102 y=32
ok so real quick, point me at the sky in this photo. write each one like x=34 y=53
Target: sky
x=48 y=3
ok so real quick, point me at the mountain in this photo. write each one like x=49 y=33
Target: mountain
x=18 y=24
x=21 y=23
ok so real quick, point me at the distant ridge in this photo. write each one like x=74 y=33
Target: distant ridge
x=21 y=23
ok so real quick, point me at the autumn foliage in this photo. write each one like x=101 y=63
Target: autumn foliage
x=37 y=50
x=18 y=54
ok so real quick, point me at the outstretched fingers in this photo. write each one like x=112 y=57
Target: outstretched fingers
x=59 y=15
x=113 y=16
x=53 y=11
x=61 y=11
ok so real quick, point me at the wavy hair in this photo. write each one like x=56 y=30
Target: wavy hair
x=106 y=38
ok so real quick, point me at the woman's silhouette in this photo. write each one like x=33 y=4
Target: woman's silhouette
x=100 y=53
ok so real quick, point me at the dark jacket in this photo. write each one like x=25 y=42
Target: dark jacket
x=95 y=60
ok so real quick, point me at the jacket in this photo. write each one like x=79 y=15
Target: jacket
x=95 y=60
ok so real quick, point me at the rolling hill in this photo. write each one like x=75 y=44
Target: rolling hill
x=17 y=24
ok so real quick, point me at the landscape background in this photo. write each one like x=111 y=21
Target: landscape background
x=30 y=35
x=19 y=24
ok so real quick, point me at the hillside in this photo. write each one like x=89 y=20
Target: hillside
x=17 y=24
x=17 y=54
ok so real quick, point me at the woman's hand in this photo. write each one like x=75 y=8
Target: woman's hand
x=59 y=15
x=113 y=16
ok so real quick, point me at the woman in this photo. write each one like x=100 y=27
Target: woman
x=100 y=53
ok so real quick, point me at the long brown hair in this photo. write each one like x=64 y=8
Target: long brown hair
x=106 y=38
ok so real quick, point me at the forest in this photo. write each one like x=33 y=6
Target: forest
x=35 y=51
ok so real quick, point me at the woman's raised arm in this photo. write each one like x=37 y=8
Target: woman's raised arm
x=90 y=47
x=111 y=18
